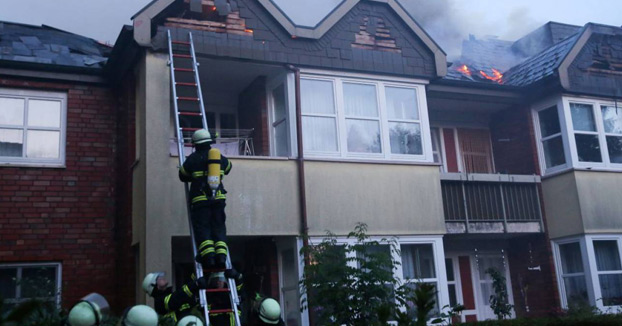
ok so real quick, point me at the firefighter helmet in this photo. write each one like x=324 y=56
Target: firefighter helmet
x=190 y=321
x=140 y=315
x=270 y=311
x=201 y=136
x=150 y=281
x=89 y=311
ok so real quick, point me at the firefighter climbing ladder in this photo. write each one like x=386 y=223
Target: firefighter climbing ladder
x=187 y=117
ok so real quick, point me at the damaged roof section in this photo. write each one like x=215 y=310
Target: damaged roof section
x=26 y=44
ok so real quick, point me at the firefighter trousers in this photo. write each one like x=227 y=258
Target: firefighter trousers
x=210 y=231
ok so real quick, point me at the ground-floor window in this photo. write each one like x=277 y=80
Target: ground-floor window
x=590 y=271
x=22 y=282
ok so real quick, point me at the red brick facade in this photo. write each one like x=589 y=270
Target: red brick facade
x=67 y=215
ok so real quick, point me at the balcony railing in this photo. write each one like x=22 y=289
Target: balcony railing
x=491 y=203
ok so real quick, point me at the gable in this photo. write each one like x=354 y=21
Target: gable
x=597 y=69
x=391 y=45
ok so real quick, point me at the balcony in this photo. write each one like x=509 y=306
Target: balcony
x=491 y=203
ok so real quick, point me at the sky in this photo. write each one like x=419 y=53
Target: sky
x=448 y=21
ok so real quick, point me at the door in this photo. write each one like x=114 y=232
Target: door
x=290 y=267
x=279 y=121
x=483 y=283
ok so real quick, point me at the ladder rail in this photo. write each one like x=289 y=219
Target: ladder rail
x=197 y=80
x=182 y=157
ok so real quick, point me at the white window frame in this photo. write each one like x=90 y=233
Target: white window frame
x=27 y=95
x=557 y=102
x=20 y=266
x=588 y=256
x=567 y=129
x=380 y=82
x=398 y=272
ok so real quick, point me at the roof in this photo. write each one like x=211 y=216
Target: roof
x=28 y=44
x=540 y=65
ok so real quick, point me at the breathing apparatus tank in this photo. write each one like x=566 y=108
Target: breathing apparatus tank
x=213 y=170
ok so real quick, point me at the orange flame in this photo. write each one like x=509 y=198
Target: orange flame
x=496 y=75
x=465 y=70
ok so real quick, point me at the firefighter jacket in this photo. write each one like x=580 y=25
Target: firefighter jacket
x=176 y=304
x=194 y=170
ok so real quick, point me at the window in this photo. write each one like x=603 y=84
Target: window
x=612 y=125
x=609 y=270
x=362 y=118
x=572 y=274
x=551 y=138
x=32 y=127
x=437 y=151
x=418 y=267
x=451 y=282
x=19 y=283
x=585 y=133
x=476 y=150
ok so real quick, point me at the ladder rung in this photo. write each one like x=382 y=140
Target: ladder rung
x=187 y=56
x=184 y=69
x=180 y=42
x=196 y=114
x=189 y=129
x=219 y=311
x=188 y=145
x=186 y=84
x=187 y=98
x=217 y=290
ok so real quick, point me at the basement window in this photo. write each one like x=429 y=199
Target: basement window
x=366 y=119
x=32 y=127
x=23 y=282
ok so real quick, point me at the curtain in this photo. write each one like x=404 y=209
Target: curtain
x=571 y=258
x=317 y=96
x=320 y=134
x=607 y=255
x=402 y=103
x=476 y=151
x=418 y=261
x=360 y=100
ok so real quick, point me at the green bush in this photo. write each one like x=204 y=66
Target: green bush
x=600 y=320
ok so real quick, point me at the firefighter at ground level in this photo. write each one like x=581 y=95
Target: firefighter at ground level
x=190 y=321
x=139 y=315
x=173 y=304
x=89 y=311
x=263 y=311
x=207 y=205
x=221 y=300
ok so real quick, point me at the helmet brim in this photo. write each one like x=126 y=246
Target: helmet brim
x=268 y=321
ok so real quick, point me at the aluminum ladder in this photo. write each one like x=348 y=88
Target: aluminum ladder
x=189 y=117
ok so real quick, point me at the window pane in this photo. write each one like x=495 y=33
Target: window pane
x=549 y=122
x=614 y=147
x=612 y=119
x=278 y=95
x=418 y=261
x=484 y=263
x=405 y=138
x=576 y=290
x=611 y=289
x=43 y=144
x=11 y=142
x=360 y=100
x=607 y=255
x=280 y=133
x=570 y=254
x=375 y=252
x=44 y=113
x=582 y=117
x=402 y=103
x=436 y=146
x=317 y=96
x=554 y=152
x=38 y=282
x=453 y=297
x=11 y=111
x=320 y=134
x=449 y=268
x=363 y=136
x=588 y=148
x=412 y=309
x=227 y=121
x=7 y=283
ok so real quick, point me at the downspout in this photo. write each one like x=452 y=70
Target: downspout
x=301 y=164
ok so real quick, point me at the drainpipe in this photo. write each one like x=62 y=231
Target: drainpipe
x=301 y=164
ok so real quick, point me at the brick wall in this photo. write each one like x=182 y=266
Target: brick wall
x=532 y=288
x=253 y=113
x=513 y=142
x=67 y=215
